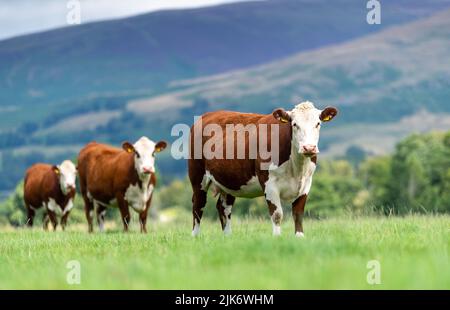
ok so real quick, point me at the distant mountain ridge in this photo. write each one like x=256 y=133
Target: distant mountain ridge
x=61 y=89
x=140 y=55
x=401 y=70
x=385 y=85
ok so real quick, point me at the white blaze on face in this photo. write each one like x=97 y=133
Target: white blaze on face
x=67 y=175
x=144 y=158
x=305 y=120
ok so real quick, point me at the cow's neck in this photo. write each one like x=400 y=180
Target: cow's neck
x=297 y=162
x=60 y=194
x=143 y=180
x=62 y=197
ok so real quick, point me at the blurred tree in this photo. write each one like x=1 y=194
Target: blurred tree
x=416 y=178
x=419 y=174
x=334 y=188
x=375 y=174
x=355 y=154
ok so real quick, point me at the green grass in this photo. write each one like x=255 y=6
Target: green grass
x=413 y=253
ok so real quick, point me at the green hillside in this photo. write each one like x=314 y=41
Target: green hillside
x=140 y=55
x=386 y=86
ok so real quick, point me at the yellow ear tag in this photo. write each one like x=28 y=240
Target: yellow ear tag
x=327 y=118
x=157 y=150
x=129 y=150
x=283 y=120
x=56 y=171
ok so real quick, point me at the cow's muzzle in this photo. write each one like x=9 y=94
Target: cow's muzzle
x=309 y=150
x=147 y=170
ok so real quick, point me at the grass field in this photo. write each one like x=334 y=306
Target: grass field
x=413 y=253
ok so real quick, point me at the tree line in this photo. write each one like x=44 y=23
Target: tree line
x=415 y=178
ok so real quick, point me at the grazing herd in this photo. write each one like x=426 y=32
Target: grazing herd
x=125 y=177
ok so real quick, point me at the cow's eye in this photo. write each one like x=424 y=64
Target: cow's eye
x=137 y=154
x=318 y=124
x=295 y=125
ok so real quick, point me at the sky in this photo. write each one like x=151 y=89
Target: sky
x=18 y=17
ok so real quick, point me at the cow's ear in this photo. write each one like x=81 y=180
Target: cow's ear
x=160 y=146
x=281 y=115
x=328 y=114
x=128 y=147
x=56 y=169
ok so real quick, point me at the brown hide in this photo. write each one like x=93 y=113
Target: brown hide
x=41 y=184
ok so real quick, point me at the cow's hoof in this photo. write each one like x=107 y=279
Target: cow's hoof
x=299 y=234
x=195 y=232
x=227 y=229
x=277 y=231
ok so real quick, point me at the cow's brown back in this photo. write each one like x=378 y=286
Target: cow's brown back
x=233 y=173
x=104 y=170
x=39 y=185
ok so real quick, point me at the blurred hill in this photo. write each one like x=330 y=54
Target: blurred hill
x=139 y=55
x=385 y=85
x=118 y=80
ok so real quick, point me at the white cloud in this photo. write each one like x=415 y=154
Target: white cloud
x=26 y=16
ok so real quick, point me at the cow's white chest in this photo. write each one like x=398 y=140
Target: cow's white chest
x=59 y=210
x=290 y=180
x=68 y=207
x=137 y=197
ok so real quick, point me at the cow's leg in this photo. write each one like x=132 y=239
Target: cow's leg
x=200 y=185
x=64 y=220
x=143 y=220
x=143 y=216
x=88 y=203
x=276 y=215
x=45 y=220
x=198 y=203
x=124 y=211
x=298 y=208
x=101 y=212
x=272 y=194
x=89 y=212
x=53 y=219
x=275 y=210
x=30 y=215
x=224 y=205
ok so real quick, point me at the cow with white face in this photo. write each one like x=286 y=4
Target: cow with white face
x=51 y=187
x=124 y=177
x=144 y=154
x=291 y=180
x=67 y=175
x=289 y=177
x=305 y=120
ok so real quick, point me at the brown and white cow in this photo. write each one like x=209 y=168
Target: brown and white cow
x=288 y=180
x=51 y=187
x=126 y=176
